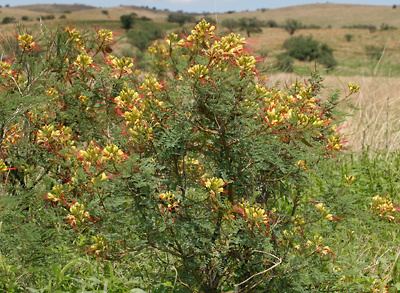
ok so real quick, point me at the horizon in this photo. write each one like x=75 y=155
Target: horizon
x=198 y=5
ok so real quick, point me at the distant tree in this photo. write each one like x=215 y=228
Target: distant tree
x=180 y=18
x=7 y=5
x=24 y=18
x=394 y=6
x=250 y=25
x=62 y=16
x=127 y=21
x=230 y=23
x=292 y=25
x=271 y=23
x=105 y=12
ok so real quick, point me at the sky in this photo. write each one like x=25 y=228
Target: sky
x=199 y=5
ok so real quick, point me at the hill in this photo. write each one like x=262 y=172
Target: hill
x=55 y=8
x=336 y=15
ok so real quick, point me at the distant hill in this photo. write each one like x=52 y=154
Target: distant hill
x=55 y=8
x=336 y=15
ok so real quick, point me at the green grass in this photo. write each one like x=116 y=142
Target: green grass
x=366 y=246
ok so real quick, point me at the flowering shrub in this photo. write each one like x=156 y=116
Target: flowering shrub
x=198 y=157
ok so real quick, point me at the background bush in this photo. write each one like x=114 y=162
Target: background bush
x=308 y=49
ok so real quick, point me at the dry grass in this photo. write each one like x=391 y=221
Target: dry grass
x=373 y=113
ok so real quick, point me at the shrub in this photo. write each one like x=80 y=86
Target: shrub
x=271 y=23
x=180 y=18
x=8 y=19
x=24 y=18
x=309 y=49
x=292 y=25
x=105 y=12
x=62 y=16
x=145 y=36
x=118 y=175
x=348 y=37
x=127 y=21
x=250 y=25
x=284 y=62
x=386 y=27
x=230 y=23
x=372 y=28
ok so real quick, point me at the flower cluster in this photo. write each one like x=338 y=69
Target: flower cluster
x=169 y=202
x=83 y=61
x=200 y=36
x=215 y=186
x=3 y=166
x=121 y=66
x=57 y=193
x=324 y=211
x=75 y=37
x=26 y=42
x=77 y=214
x=94 y=155
x=12 y=135
x=254 y=215
x=52 y=137
x=99 y=245
x=353 y=88
x=5 y=69
x=104 y=37
x=385 y=208
x=198 y=71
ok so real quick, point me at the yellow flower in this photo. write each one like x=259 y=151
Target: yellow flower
x=75 y=37
x=3 y=166
x=78 y=213
x=201 y=33
x=302 y=164
x=353 y=88
x=52 y=92
x=92 y=154
x=104 y=36
x=349 y=179
x=320 y=207
x=127 y=98
x=246 y=63
x=329 y=217
x=5 y=69
x=99 y=245
x=123 y=65
x=383 y=207
x=26 y=42
x=83 y=61
x=100 y=178
x=112 y=153
x=215 y=185
x=83 y=99
x=198 y=71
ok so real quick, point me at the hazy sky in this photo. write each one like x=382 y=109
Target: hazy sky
x=198 y=5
